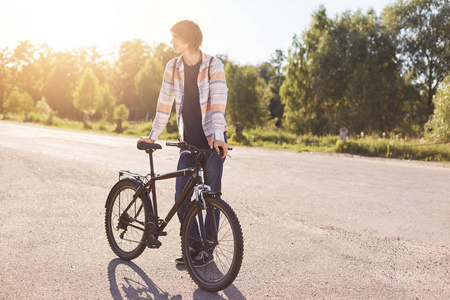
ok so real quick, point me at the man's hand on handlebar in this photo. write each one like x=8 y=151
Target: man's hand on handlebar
x=221 y=144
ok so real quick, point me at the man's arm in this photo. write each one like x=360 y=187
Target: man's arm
x=218 y=91
x=165 y=102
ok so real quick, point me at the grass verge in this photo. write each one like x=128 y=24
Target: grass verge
x=273 y=138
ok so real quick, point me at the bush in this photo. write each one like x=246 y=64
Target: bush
x=43 y=108
x=17 y=102
x=272 y=136
x=395 y=149
x=438 y=127
x=35 y=117
x=121 y=114
x=104 y=125
x=233 y=137
x=316 y=141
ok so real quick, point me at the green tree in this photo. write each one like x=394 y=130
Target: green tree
x=132 y=56
x=27 y=104
x=423 y=30
x=163 y=53
x=87 y=95
x=246 y=103
x=121 y=113
x=106 y=103
x=42 y=69
x=272 y=73
x=64 y=75
x=374 y=86
x=295 y=90
x=88 y=57
x=438 y=127
x=5 y=75
x=18 y=102
x=148 y=83
x=13 y=102
x=304 y=111
x=42 y=107
x=27 y=73
x=342 y=72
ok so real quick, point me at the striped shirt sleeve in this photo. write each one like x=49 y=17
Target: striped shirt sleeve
x=218 y=89
x=165 y=102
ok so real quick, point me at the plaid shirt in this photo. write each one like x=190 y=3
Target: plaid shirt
x=212 y=97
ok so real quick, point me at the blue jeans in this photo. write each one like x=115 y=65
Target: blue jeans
x=212 y=165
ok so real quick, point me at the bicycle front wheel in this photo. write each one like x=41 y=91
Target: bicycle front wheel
x=213 y=263
x=125 y=229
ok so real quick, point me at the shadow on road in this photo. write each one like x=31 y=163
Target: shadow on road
x=128 y=281
x=231 y=292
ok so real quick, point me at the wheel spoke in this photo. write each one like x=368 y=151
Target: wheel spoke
x=125 y=230
x=222 y=226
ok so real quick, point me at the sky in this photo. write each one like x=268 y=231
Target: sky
x=248 y=31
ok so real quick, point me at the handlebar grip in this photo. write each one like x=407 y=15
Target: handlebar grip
x=171 y=144
x=181 y=145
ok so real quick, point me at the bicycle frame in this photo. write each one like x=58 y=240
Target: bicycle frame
x=195 y=183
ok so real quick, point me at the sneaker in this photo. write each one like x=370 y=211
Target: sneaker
x=179 y=260
x=202 y=259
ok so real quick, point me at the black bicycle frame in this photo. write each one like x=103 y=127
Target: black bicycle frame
x=189 y=187
x=150 y=187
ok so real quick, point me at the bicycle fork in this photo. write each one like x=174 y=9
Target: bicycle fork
x=200 y=191
x=201 y=205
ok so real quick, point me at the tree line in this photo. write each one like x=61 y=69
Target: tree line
x=356 y=70
x=82 y=82
x=368 y=73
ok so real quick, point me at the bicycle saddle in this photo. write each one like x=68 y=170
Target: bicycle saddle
x=148 y=146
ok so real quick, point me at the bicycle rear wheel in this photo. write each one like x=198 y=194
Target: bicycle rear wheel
x=225 y=248
x=125 y=230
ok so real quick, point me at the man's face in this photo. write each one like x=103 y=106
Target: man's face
x=179 y=46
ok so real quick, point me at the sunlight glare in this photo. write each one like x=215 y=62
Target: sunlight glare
x=71 y=24
x=66 y=25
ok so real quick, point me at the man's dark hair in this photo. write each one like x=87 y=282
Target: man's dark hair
x=189 y=32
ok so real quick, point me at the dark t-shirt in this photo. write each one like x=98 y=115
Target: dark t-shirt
x=190 y=111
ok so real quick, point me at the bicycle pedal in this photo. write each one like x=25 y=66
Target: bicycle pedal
x=164 y=233
x=154 y=244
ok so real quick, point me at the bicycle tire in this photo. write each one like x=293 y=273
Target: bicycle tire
x=227 y=254
x=126 y=242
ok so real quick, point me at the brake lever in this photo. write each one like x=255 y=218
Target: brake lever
x=221 y=153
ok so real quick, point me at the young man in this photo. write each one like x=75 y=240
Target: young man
x=196 y=82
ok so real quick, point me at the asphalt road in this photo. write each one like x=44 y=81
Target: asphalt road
x=316 y=226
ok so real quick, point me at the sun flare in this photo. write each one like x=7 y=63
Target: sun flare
x=71 y=24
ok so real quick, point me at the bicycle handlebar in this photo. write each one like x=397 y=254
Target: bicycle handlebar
x=186 y=146
x=178 y=144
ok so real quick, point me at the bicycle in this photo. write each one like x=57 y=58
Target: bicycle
x=132 y=221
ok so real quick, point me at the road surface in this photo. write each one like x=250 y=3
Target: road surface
x=316 y=226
